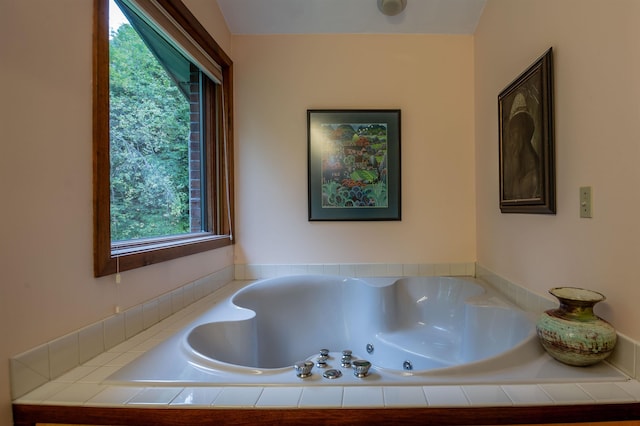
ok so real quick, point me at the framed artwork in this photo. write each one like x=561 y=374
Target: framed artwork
x=527 y=149
x=354 y=164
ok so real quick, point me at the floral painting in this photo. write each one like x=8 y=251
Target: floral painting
x=350 y=164
x=354 y=165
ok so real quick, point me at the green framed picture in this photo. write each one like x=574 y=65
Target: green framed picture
x=354 y=164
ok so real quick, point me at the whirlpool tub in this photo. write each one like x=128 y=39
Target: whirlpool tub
x=412 y=330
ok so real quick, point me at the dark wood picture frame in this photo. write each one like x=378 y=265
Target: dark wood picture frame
x=527 y=148
x=354 y=164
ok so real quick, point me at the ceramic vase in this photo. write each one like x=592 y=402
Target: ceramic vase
x=572 y=333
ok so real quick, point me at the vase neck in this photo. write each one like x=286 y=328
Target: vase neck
x=577 y=309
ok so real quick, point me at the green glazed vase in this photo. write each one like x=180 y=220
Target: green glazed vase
x=572 y=333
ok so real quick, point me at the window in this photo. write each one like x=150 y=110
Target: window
x=162 y=136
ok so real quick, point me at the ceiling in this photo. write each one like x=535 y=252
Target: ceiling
x=350 y=16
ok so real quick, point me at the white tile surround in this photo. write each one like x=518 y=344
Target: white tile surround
x=70 y=370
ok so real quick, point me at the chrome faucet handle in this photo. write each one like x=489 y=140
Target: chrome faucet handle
x=346 y=358
x=361 y=368
x=303 y=369
x=321 y=361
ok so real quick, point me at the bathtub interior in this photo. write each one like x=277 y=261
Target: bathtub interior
x=432 y=323
x=443 y=322
x=450 y=330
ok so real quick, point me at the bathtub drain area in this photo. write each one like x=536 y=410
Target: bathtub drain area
x=328 y=361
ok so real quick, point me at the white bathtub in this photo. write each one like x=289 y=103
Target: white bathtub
x=413 y=330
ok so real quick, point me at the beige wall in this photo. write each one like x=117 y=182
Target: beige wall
x=430 y=78
x=47 y=287
x=597 y=106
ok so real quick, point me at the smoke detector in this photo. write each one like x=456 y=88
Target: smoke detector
x=391 y=7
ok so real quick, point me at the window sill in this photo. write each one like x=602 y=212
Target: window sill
x=131 y=255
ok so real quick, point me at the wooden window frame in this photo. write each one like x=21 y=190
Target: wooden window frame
x=110 y=258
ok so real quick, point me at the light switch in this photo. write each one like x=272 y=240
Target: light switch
x=585 y=201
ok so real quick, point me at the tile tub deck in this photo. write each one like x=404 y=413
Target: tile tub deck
x=80 y=396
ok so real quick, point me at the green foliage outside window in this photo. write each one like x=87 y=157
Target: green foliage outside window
x=149 y=140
